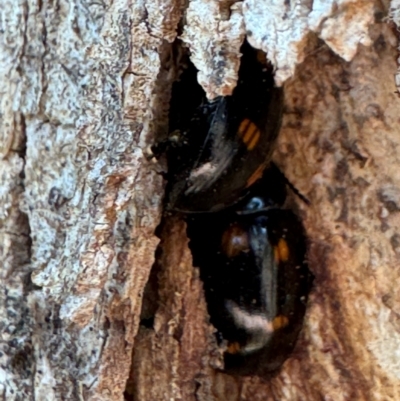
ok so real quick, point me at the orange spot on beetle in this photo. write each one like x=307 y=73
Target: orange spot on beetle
x=244 y=125
x=234 y=241
x=249 y=133
x=280 y=322
x=254 y=141
x=256 y=175
x=233 y=348
x=281 y=251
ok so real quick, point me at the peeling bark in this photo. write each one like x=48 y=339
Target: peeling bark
x=85 y=89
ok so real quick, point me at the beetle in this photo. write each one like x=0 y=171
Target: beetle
x=252 y=260
x=218 y=149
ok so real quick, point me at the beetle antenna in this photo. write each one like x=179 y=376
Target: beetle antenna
x=292 y=187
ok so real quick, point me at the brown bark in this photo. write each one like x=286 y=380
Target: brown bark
x=85 y=90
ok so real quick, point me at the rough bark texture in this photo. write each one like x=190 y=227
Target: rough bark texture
x=85 y=89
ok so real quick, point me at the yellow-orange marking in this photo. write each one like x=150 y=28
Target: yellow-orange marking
x=244 y=125
x=254 y=141
x=249 y=133
x=281 y=251
x=233 y=348
x=280 y=322
x=235 y=241
x=256 y=175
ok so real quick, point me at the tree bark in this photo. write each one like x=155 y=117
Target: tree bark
x=85 y=90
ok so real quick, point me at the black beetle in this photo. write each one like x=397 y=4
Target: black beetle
x=218 y=149
x=250 y=250
x=252 y=260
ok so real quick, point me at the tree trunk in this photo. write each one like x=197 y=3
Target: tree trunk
x=85 y=90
